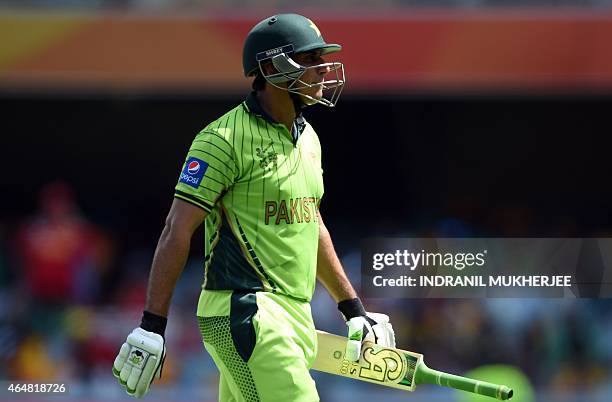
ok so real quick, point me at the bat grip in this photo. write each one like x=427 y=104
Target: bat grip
x=425 y=375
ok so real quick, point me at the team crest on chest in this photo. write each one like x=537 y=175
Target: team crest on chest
x=267 y=157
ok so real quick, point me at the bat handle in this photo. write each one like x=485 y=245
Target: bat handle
x=425 y=375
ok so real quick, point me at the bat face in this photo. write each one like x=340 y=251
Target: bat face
x=394 y=368
x=385 y=366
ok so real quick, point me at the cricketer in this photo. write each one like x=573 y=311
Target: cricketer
x=254 y=177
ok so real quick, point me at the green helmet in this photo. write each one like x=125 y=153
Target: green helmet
x=275 y=40
x=292 y=33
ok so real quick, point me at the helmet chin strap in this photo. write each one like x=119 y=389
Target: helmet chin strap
x=291 y=73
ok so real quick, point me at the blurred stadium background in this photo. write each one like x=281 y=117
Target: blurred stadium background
x=460 y=118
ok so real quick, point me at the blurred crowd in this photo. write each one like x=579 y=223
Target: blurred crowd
x=68 y=298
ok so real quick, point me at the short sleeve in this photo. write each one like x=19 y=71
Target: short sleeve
x=209 y=170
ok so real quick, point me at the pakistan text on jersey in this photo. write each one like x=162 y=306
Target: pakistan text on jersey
x=295 y=210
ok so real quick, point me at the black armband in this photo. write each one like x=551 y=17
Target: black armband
x=153 y=323
x=351 y=308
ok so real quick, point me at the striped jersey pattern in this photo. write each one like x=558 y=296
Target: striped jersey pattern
x=261 y=185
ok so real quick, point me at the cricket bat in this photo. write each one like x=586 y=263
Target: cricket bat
x=394 y=368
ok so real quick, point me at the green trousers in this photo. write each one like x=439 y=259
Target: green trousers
x=262 y=343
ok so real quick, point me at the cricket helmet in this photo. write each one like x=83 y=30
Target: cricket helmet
x=275 y=39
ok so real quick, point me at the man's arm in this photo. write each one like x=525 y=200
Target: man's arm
x=141 y=357
x=329 y=270
x=171 y=254
x=361 y=325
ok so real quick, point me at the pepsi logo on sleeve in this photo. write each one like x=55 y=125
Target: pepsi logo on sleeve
x=193 y=172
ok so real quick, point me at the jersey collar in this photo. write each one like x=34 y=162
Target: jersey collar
x=253 y=106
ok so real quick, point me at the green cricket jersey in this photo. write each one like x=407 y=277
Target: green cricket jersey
x=261 y=185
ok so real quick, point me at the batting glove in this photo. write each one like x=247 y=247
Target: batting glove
x=363 y=326
x=140 y=361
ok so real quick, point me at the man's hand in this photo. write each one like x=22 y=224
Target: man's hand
x=140 y=359
x=363 y=326
x=373 y=327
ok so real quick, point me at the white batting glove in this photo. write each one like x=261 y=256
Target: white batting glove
x=139 y=361
x=374 y=327
x=363 y=326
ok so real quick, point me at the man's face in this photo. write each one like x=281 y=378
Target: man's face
x=312 y=75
